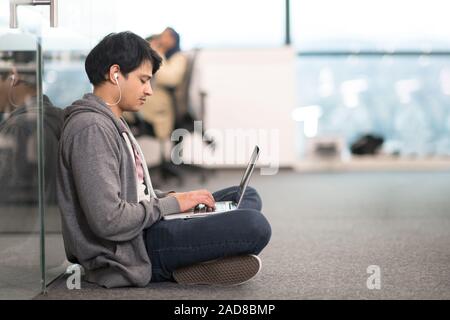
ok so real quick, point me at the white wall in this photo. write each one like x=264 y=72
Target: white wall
x=251 y=90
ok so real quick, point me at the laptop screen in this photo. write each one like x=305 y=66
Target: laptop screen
x=247 y=174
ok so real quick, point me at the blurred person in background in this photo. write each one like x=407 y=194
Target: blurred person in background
x=160 y=110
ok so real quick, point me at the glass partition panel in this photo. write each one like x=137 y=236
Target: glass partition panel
x=20 y=216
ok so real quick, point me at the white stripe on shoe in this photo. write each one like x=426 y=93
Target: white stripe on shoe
x=227 y=271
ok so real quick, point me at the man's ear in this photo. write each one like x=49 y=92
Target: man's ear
x=114 y=73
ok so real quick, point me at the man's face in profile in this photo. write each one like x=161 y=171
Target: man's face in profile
x=136 y=87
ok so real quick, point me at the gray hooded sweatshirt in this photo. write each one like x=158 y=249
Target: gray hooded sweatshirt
x=102 y=220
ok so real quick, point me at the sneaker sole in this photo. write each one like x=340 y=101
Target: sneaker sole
x=226 y=271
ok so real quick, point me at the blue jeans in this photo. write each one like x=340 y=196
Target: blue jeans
x=172 y=244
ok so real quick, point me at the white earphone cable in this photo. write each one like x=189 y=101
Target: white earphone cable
x=120 y=95
x=10 y=92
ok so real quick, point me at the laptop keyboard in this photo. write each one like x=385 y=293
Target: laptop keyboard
x=201 y=208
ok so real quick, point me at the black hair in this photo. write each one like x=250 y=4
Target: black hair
x=125 y=49
x=176 y=48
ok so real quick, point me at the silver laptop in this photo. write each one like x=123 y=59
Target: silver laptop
x=221 y=206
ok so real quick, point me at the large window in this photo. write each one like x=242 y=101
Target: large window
x=369 y=24
x=375 y=67
x=404 y=99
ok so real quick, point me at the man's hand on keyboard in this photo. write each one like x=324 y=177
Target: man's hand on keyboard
x=188 y=200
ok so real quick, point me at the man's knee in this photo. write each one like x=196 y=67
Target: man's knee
x=258 y=226
x=252 y=195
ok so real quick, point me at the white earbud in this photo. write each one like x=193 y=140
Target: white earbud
x=116 y=77
x=13 y=79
